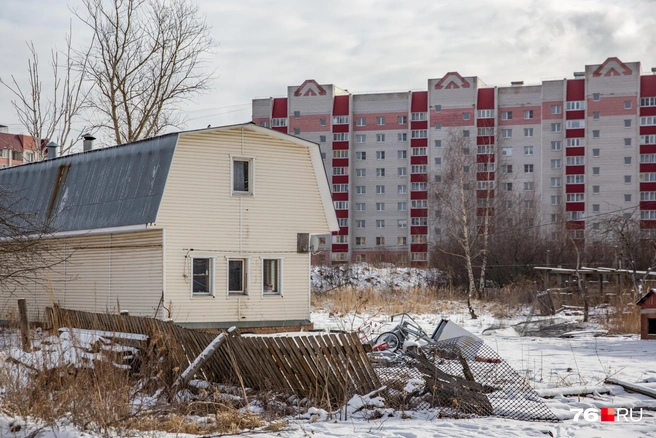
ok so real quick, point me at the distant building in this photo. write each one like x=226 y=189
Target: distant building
x=582 y=146
x=16 y=149
x=195 y=226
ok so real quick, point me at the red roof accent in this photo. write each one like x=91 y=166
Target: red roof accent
x=645 y=296
x=452 y=80
x=310 y=88
x=611 y=71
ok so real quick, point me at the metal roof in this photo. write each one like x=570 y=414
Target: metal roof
x=103 y=188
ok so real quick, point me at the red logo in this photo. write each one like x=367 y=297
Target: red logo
x=608 y=414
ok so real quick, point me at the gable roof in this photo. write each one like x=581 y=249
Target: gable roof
x=645 y=296
x=103 y=188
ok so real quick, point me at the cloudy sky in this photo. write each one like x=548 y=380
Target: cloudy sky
x=365 y=45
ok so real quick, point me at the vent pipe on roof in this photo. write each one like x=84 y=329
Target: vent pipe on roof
x=87 y=145
x=4 y=128
x=51 y=150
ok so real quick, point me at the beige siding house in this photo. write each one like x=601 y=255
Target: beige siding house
x=201 y=227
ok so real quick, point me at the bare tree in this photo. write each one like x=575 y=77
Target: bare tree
x=146 y=56
x=50 y=115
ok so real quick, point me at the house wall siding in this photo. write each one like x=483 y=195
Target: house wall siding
x=199 y=214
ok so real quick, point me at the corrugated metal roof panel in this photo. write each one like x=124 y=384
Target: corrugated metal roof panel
x=103 y=188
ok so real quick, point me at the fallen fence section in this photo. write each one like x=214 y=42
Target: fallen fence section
x=463 y=377
x=330 y=367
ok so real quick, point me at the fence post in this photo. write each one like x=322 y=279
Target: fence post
x=24 y=325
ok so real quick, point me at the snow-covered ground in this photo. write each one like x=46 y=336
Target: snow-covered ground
x=553 y=366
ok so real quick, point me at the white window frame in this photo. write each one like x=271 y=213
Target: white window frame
x=251 y=175
x=245 y=280
x=211 y=275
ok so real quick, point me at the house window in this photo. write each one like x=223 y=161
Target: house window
x=279 y=122
x=627 y=104
x=419 y=133
x=555 y=164
x=485 y=114
x=595 y=170
x=595 y=190
x=555 y=200
x=627 y=197
x=506 y=168
x=264 y=124
x=237 y=277
x=360 y=206
x=627 y=160
x=627 y=179
x=272 y=276
x=242 y=176
x=340 y=136
x=651 y=326
x=575 y=124
x=202 y=273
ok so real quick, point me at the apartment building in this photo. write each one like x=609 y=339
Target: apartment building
x=583 y=146
x=15 y=148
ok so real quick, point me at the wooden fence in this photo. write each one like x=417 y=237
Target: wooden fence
x=320 y=366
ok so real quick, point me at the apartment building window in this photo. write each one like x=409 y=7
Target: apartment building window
x=575 y=124
x=485 y=114
x=484 y=131
x=323 y=155
x=402 y=120
x=419 y=257
x=576 y=105
x=242 y=176
x=340 y=188
x=506 y=133
x=556 y=181
x=297 y=114
x=380 y=223
x=528 y=203
x=506 y=187
x=360 y=241
x=402 y=206
x=339 y=171
x=419 y=221
x=554 y=218
x=340 y=205
x=419 y=203
x=465 y=133
x=360 y=121
x=237 y=276
x=484 y=149
x=340 y=120
x=401 y=154
x=555 y=164
x=264 y=124
x=648 y=101
x=360 y=206
x=596 y=97
x=556 y=109
x=343 y=153
x=595 y=190
x=648 y=121
x=438 y=178
x=556 y=127
x=627 y=123
x=202 y=282
x=595 y=171
x=380 y=120
x=506 y=152
x=402 y=136
x=279 y=122
x=627 y=197
x=627 y=160
x=322 y=122
x=627 y=179
x=529 y=185
x=627 y=142
x=360 y=223
x=506 y=115
x=360 y=138
x=528 y=150
x=575 y=216
x=595 y=115
x=647 y=158
x=418 y=117
x=360 y=190
x=402 y=223
x=419 y=133
x=555 y=200
x=341 y=256
x=418 y=186
x=380 y=172
x=380 y=138
x=556 y=145
x=380 y=206
x=380 y=241
x=380 y=155
x=418 y=168
x=648 y=214
x=648 y=139
x=506 y=168
x=575 y=179
x=402 y=189
x=573 y=142
x=627 y=104
x=528 y=114
x=438 y=125
x=596 y=152
x=272 y=276
x=466 y=116
x=438 y=161
x=419 y=152
x=322 y=138
x=360 y=172
x=575 y=161
x=380 y=190
x=340 y=136
x=596 y=208
x=575 y=197
x=402 y=240
x=402 y=171
x=528 y=168
x=528 y=132
x=361 y=155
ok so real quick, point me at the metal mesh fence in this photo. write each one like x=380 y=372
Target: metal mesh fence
x=462 y=377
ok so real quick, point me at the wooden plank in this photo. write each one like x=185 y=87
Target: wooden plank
x=298 y=364
x=289 y=371
x=24 y=325
x=309 y=354
x=358 y=377
x=632 y=387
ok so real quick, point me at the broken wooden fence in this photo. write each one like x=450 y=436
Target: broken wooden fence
x=325 y=366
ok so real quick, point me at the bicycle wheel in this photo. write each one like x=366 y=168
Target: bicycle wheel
x=390 y=339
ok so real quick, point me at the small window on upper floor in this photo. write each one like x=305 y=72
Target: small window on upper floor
x=242 y=176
